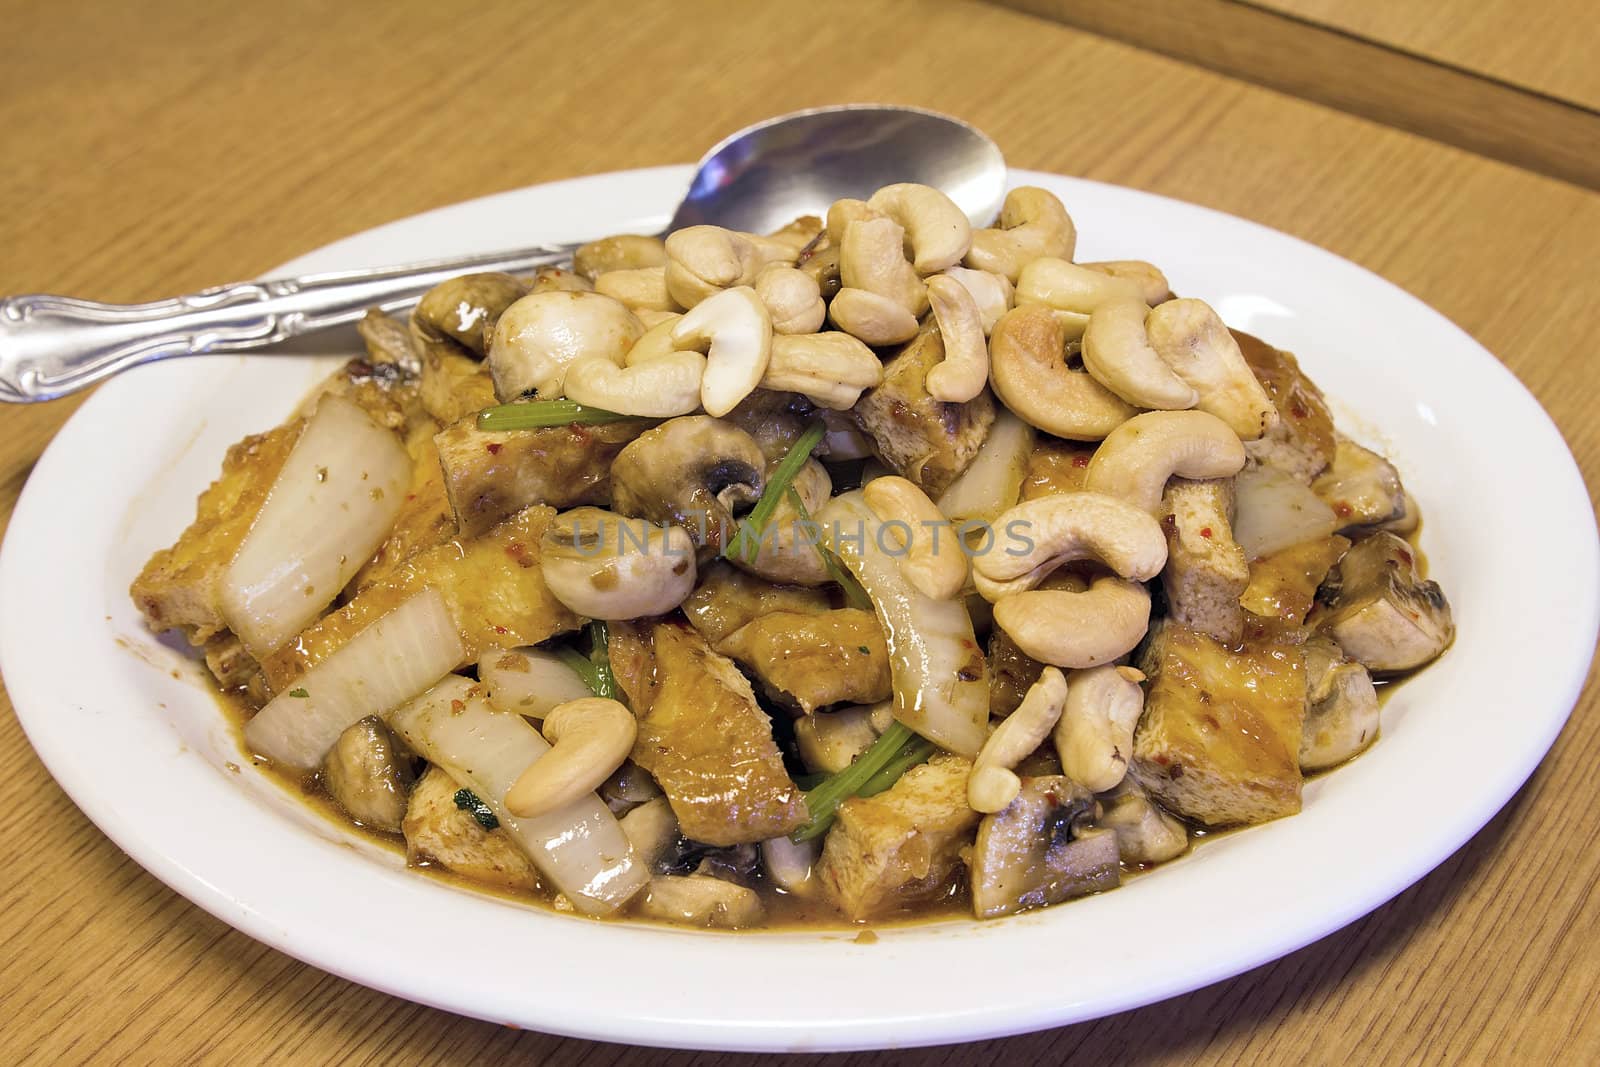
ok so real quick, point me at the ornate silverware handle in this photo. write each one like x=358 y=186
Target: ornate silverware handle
x=54 y=345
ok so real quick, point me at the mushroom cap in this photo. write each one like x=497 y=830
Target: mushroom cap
x=691 y=471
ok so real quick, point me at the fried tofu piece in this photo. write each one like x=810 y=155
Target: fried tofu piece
x=1302 y=443
x=489 y=476
x=492 y=585
x=632 y=654
x=924 y=440
x=814 y=660
x=709 y=746
x=454 y=385
x=1283 y=586
x=439 y=833
x=1219 y=742
x=180 y=587
x=228 y=662
x=728 y=598
x=901 y=847
x=1206 y=569
x=1056 y=466
x=701 y=900
x=425 y=519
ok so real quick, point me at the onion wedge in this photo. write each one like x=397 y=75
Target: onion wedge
x=1274 y=512
x=993 y=481
x=580 y=848
x=529 y=681
x=388 y=663
x=941 y=685
x=331 y=506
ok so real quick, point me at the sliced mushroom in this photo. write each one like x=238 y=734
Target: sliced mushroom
x=829 y=741
x=1341 y=707
x=1145 y=832
x=691 y=471
x=1041 y=850
x=701 y=900
x=456 y=312
x=791 y=866
x=368 y=776
x=1361 y=487
x=652 y=830
x=1381 y=610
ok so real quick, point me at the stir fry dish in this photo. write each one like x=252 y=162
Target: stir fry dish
x=872 y=569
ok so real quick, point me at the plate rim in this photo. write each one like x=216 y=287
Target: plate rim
x=747 y=1035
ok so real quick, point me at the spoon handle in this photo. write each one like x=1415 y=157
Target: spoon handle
x=51 y=346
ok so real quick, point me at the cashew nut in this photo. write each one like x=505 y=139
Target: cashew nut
x=1137 y=458
x=845 y=211
x=875 y=319
x=993 y=784
x=704 y=260
x=655 y=342
x=831 y=369
x=793 y=299
x=1117 y=352
x=735 y=331
x=1073 y=290
x=640 y=289
x=797 y=235
x=1077 y=629
x=540 y=336
x=993 y=293
x=964 y=371
x=1153 y=285
x=1193 y=340
x=650 y=318
x=937 y=229
x=1043 y=534
x=557 y=280
x=625 y=251
x=872 y=257
x=1094 y=737
x=786 y=551
x=604 y=566
x=589 y=738
x=1028 y=372
x=914 y=520
x=1033 y=224
x=659 y=388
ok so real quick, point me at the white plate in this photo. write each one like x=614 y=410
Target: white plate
x=125 y=725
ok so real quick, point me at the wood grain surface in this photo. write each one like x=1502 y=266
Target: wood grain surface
x=152 y=149
x=1368 y=76
x=1548 y=46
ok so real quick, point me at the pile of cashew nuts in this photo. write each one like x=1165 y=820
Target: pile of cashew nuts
x=688 y=329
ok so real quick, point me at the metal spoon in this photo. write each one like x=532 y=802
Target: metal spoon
x=757 y=180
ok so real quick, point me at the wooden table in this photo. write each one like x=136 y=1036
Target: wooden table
x=155 y=151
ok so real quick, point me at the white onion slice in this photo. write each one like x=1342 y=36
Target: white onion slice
x=930 y=641
x=528 y=681
x=329 y=509
x=1274 y=512
x=383 y=666
x=993 y=481
x=581 y=848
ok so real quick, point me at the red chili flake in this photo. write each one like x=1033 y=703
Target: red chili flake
x=1080 y=460
x=501 y=630
x=457 y=706
x=1205 y=531
x=494 y=448
x=1343 y=509
x=410 y=497
x=1298 y=410
x=1403 y=554
x=519 y=552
